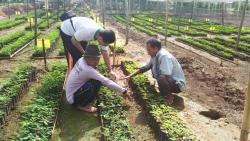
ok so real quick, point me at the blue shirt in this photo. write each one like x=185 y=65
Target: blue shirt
x=165 y=63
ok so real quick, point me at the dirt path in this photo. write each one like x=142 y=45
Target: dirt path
x=76 y=125
x=209 y=86
x=136 y=115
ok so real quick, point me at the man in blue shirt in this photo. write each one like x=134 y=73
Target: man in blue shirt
x=165 y=69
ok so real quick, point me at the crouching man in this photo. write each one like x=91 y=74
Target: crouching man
x=165 y=69
x=84 y=81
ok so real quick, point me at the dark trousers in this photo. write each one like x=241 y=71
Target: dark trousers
x=87 y=93
x=69 y=47
x=167 y=85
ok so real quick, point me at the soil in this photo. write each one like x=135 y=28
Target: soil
x=136 y=115
x=210 y=87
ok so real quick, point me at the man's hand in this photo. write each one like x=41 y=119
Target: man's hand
x=112 y=75
x=127 y=78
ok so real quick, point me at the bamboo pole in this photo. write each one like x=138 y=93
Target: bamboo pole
x=223 y=13
x=103 y=13
x=192 y=13
x=166 y=26
x=114 y=54
x=35 y=12
x=246 y=114
x=241 y=23
x=128 y=21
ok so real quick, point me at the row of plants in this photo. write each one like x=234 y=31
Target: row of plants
x=5 y=24
x=9 y=49
x=196 y=25
x=231 y=43
x=37 y=117
x=218 y=47
x=217 y=29
x=42 y=21
x=184 y=21
x=52 y=36
x=159 y=27
x=13 y=88
x=163 y=119
x=205 y=47
x=243 y=39
x=4 y=40
x=173 y=29
x=10 y=23
x=115 y=125
x=140 y=28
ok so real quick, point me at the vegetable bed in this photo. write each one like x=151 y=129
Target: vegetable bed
x=53 y=36
x=4 y=40
x=13 y=89
x=9 y=49
x=37 y=118
x=115 y=125
x=163 y=119
x=11 y=23
x=213 y=49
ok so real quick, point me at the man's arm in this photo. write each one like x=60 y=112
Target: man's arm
x=107 y=60
x=77 y=45
x=93 y=74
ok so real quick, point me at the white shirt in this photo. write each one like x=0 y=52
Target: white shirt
x=80 y=74
x=164 y=63
x=85 y=28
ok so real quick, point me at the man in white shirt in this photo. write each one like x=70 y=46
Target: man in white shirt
x=84 y=81
x=165 y=69
x=77 y=31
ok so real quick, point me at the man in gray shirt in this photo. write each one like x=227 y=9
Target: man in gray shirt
x=84 y=81
x=165 y=69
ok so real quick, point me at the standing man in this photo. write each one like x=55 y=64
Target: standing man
x=165 y=69
x=77 y=31
x=84 y=81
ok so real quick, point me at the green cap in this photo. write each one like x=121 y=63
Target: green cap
x=92 y=51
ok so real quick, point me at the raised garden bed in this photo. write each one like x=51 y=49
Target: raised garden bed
x=38 y=117
x=11 y=49
x=115 y=124
x=14 y=88
x=53 y=36
x=163 y=119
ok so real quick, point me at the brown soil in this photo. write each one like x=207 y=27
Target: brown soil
x=136 y=115
x=209 y=87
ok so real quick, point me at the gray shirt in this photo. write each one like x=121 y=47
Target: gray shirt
x=80 y=74
x=165 y=63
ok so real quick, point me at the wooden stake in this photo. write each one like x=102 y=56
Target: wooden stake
x=114 y=53
x=246 y=114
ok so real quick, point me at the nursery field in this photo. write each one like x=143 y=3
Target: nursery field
x=33 y=105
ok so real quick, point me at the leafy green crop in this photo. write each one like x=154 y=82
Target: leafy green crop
x=211 y=48
x=11 y=37
x=12 y=87
x=37 y=118
x=9 y=49
x=10 y=23
x=165 y=116
x=53 y=35
x=116 y=125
